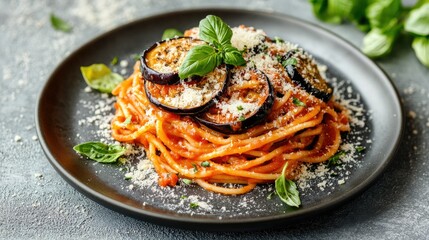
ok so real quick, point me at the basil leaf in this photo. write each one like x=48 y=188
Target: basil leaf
x=59 y=24
x=381 y=12
x=171 y=33
x=421 y=49
x=287 y=190
x=100 y=152
x=418 y=21
x=214 y=30
x=100 y=77
x=199 y=61
x=377 y=43
x=233 y=56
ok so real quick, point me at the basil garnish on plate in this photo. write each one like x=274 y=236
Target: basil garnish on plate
x=286 y=190
x=100 y=152
x=100 y=77
x=202 y=59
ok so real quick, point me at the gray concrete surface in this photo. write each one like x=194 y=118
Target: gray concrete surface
x=36 y=203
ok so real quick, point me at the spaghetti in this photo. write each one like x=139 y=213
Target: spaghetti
x=299 y=128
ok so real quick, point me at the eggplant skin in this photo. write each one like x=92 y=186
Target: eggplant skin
x=240 y=126
x=150 y=86
x=180 y=45
x=306 y=75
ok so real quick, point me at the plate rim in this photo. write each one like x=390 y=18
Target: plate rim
x=189 y=222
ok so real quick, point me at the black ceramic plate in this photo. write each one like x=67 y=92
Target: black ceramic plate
x=61 y=106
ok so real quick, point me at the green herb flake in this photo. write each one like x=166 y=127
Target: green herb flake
x=290 y=61
x=205 y=164
x=100 y=77
x=287 y=190
x=128 y=177
x=60 y=24
x=193 y=205
x=170 y=33
x=298 y=102
x=126 y=121
x=100 y=152
x=278 y=40
x=195 y=167
x=186 y=181
x=183 y=197
x=360 y=149
x=335 y=160
x=114 y=61
x=239 y=108
x=241 y=118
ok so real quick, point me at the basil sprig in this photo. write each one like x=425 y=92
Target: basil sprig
x=202 y=59
x=286 y=190
x=100 y=152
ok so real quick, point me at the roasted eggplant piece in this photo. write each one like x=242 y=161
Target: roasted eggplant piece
x=189 y=96
x=245 y=103
x=160 y=62
x=303 y=71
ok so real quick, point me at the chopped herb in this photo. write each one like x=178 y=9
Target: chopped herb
x=195 y=167
x=183 y=197
x=128 y=177
x=205 y=164
x=126 y=121
x=114 y=61
x=290 y=61
x=122 y=160
x=278 y=40
x=360 y=148
x=239 y=108
x=241 y=118
x=335 y=160
x=298 y=102
x=59 y=24
x=186 y=181
x=193 y=205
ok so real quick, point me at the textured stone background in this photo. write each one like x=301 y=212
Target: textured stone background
x=36 y=203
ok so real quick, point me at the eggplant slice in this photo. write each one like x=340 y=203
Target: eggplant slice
x=246 y=102
x=303 y=71
x=160 y=62
x=189 y=96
